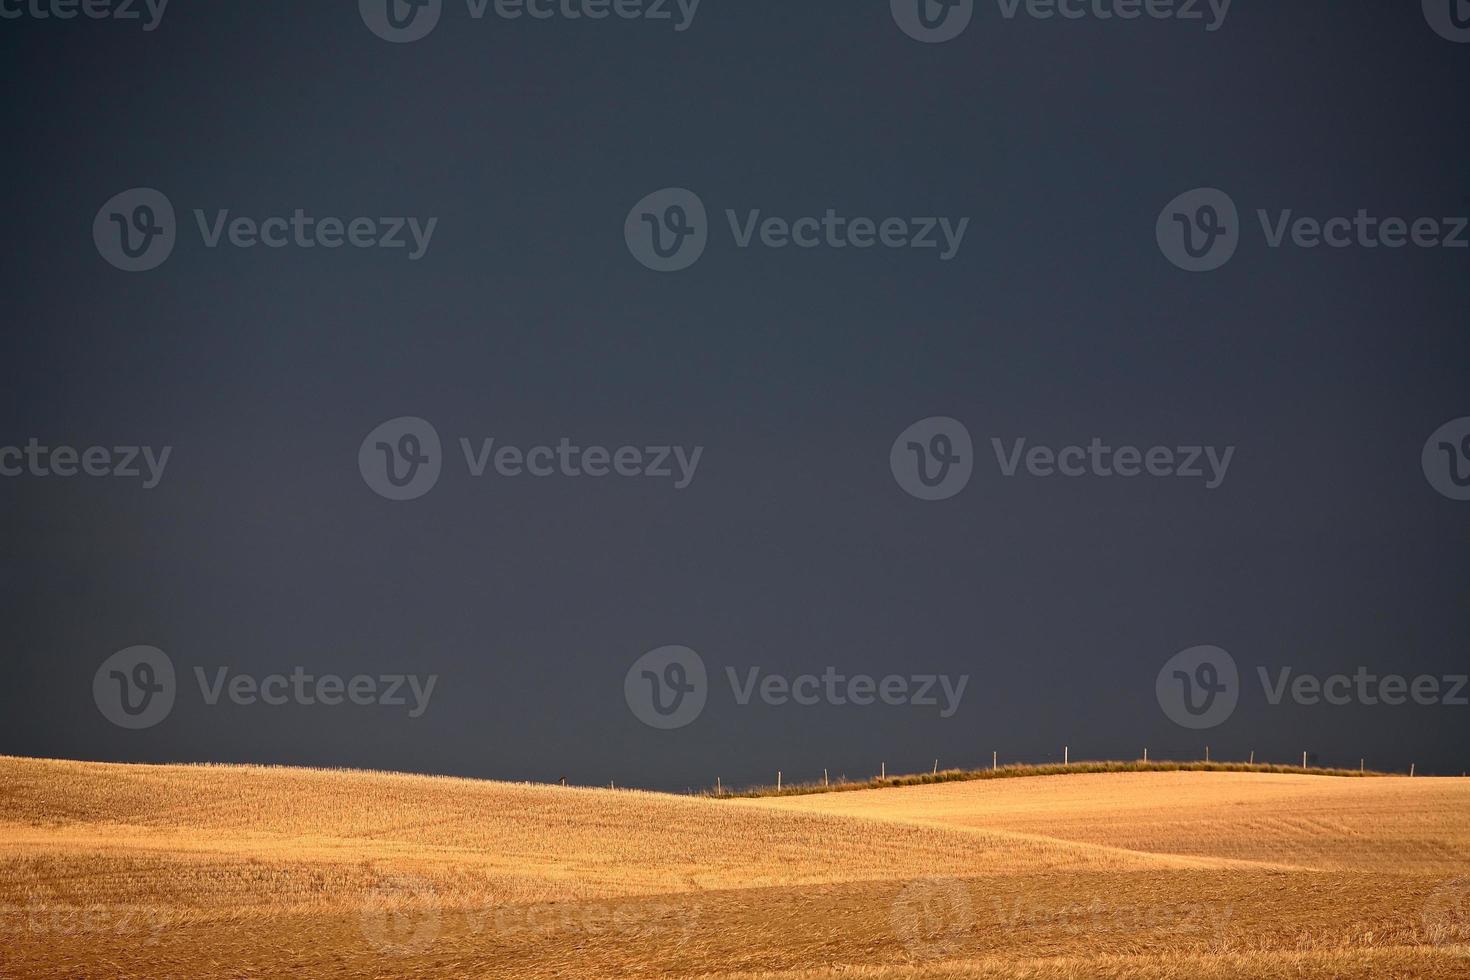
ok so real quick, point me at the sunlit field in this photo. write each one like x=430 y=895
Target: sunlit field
x=225 y=871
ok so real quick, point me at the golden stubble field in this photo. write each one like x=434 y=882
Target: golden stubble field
x=236 y=871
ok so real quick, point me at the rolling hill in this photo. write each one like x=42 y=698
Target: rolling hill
x=242 y=871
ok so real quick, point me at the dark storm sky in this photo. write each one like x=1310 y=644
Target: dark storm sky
x=794 y=549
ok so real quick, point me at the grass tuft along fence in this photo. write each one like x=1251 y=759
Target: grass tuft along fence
x=1017 y=771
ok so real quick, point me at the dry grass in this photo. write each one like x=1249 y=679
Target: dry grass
x=174 y=871
x=1391 y=825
